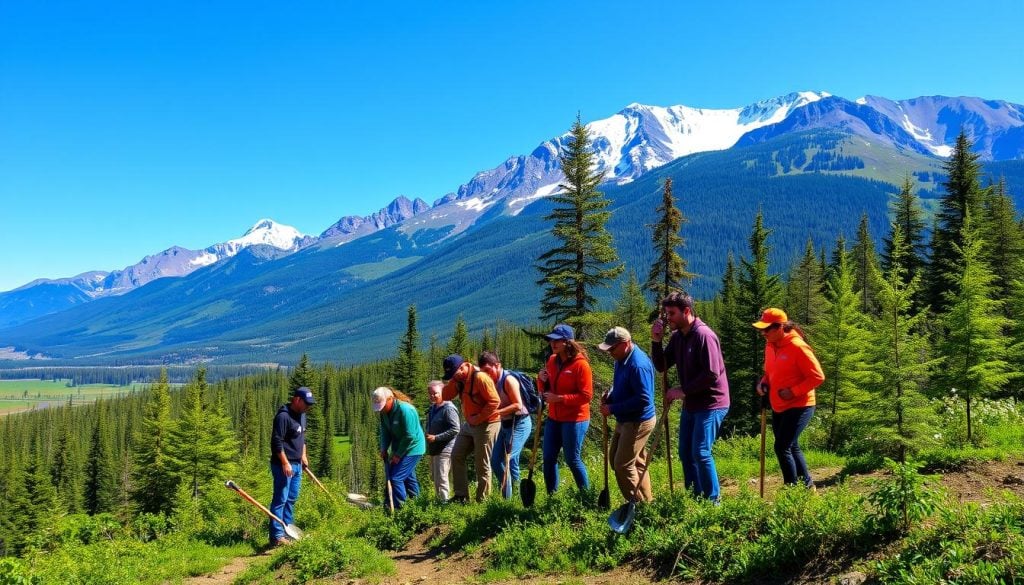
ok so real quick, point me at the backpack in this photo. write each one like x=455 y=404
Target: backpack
x=527 y=390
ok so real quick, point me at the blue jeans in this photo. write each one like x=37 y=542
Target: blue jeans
x=787 y=426
x=286 y=491
x=570 y=436
x=517 y=435
x=697 y=434
x=404 y=484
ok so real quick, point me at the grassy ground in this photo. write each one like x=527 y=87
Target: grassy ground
x=20 y=395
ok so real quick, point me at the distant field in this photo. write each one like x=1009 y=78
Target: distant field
x=19 y=395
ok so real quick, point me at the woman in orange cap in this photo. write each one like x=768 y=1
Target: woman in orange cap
x=791 y=373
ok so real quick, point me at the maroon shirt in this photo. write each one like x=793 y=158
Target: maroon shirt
x=697 y=357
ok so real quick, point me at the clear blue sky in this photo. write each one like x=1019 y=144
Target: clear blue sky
x=128 y=127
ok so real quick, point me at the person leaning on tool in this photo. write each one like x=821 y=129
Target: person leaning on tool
x=694 y=350
x=631 y=402
x=287 y=458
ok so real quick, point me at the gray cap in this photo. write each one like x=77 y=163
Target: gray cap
x=615 y=336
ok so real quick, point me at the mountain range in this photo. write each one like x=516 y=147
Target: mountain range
x=230 y=300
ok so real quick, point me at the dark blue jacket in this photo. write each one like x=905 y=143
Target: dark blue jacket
x=632 y=395
x=289 y=435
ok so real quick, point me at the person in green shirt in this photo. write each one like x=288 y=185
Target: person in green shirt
x=401 y=443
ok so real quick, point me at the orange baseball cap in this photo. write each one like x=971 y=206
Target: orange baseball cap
x=771 y=317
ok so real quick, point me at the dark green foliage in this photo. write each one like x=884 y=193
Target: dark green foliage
x=758 y=289
x=458 y=343
x=668 y=271
x=155 y=479
x=64 y=472
x=804 y=301
x=866 y=273
x=963 y=195
x=973 y=348
x=1004 y=239
x=410 y=368
x=632 y=309
x=842 y=341
x=585 y=257
x=907 y=212
x=202 y=443
x=901 y=418
x=100 y=480
x=903 y=499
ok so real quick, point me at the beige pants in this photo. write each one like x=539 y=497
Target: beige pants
x=440 y=469
x=629 y=459
x=479 y=440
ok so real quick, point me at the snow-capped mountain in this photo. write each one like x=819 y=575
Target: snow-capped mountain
x=43 y=296
x=351 y=227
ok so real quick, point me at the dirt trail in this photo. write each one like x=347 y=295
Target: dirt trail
x=227 y=574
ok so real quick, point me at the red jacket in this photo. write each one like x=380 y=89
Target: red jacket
x=575 y=382
x=791 y=364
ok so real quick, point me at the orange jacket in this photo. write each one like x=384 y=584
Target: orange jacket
x=575 y=383
x=479 y=399
x=791 y=364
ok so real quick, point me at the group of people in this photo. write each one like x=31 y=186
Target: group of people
x=496 y=422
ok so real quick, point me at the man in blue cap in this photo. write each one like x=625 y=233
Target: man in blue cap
x=287 y=459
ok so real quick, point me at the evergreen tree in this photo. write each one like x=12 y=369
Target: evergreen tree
x=326 y=465
x=39 y=518
x=459 y=341
x=730 y=328
x=305 y=375
x=248 y=423
x=1015 y=349
x=632 y=308
x=843 y=342
x=901 y=418
x=435 y=358
x=100 y=480
x=64 y=472
x=758 y=290
x=202 y=443
x=963 y=194
x=906 y=211
x=866 y=273
x=668 y=272
x=409 y=367
x=1004 y=242
x=585 y=256
x=155 y=480
x=804 y=301
x=973 y=350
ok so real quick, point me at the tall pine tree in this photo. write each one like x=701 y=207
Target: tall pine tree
x=668 y=272
x=1004 y=241
x=907 y=213
x=974 y=349
x=155 y=478
x=866 y=273
x=758 y=289
x=963 y=194
x=410 y=369
x=585 y=256
x=804 y=301
x=843 y=341
x=901 y=418
x=100 y=493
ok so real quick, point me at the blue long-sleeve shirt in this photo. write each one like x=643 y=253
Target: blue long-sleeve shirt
x=632 y=395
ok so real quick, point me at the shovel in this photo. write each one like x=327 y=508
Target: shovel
x=603 y=499
x=621 y=520
x=764 y=408
x=291 y=530
x=391 y=494
x=528 y=489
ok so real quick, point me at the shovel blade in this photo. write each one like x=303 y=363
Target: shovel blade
x=293 y=532
x=604 y=500
x=621 y=520
x=528 y=491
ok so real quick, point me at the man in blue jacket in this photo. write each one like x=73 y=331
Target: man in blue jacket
x=631 y=401
x=287 y=459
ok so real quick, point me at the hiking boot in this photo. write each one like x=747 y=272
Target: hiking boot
x=283 y=541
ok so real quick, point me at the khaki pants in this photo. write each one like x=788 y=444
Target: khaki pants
x=479 y=440
x=629 y=459
x=440 y=469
